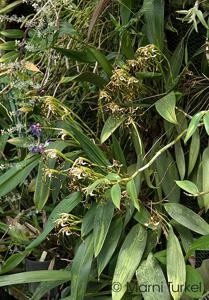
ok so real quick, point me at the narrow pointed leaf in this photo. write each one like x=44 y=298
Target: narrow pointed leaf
x=167 y=174
x=175 y=65
x=194 y=279
x=206 y=122
x=102 y=60
x=180 y=159
x=17 y=174
x=166 y=107
x=205 y=177
x=110 y=126
x=86 y=77
x=103 y=218
x=81 y=267
x=154 y=21
x=201 y=243
x=129 y=258
x=88 y=220
x=132 y=192
x=188 y=186
x=34 y=276
x=91 y=150
x=150 y=273
x=193 y=125
x=125 y=10
x=116 y=195
x=10 y=7
x=176 y=268
x=194 y=151
x=110 y=244
x=187 y=218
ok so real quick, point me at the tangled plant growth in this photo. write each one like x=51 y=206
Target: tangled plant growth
x=104 y=149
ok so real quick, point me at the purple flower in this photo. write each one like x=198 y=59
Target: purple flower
x=37 y=149
x=35 y=129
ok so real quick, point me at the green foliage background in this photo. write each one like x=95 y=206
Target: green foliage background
x=104 y=157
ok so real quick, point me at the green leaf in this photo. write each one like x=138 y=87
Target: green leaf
x=11 y=45
x=175 y=65
x=193 y=125
x=167 y=174
x=9 y=57
x=201 y=243
x=34 y=276
x=91 y=150
x=147 y=75
x=86 y=76
x=187 y=218
x=116 y=195
x=45 y=287
x=150 y=274
x=127 y=46
x=129 y=258
x=188 y=186
x=17 y=174
x=118 y=153
x=20 y=142
x=103 y=218
x=206 y=122
x=81 y=56
x=143 y=217
x=10 y=7
x=137 y=140
x=102 y=60
x=110 y=244
x=205 y=177
x=185 y=236
x=166 y=107
x=88 y=221
x=180 y=159
x=81 y=267
x=110 y=126
x=194 y=282
x=42 y=189
x=125 y=10
x=161 y=256
x=99 y=182
x=194 y=151
x=132 y=192
x=154 y=21
x=13 y=261
x=12 y=33
x=65 y=206
x=113 y=177
x=176 y=268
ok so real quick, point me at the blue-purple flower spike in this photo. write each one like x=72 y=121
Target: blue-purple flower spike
x=35 y=129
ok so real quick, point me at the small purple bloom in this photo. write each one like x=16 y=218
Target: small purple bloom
x=37 y=149
x=35 y=129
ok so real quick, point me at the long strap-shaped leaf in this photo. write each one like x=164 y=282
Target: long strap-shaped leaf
x=154 y=21
x=176 y=268
x=17 y=174
x=34 y=276
x=128 y=259
x=92 y=151
x=81 y=268
x=103 y=218
x=150 y=274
